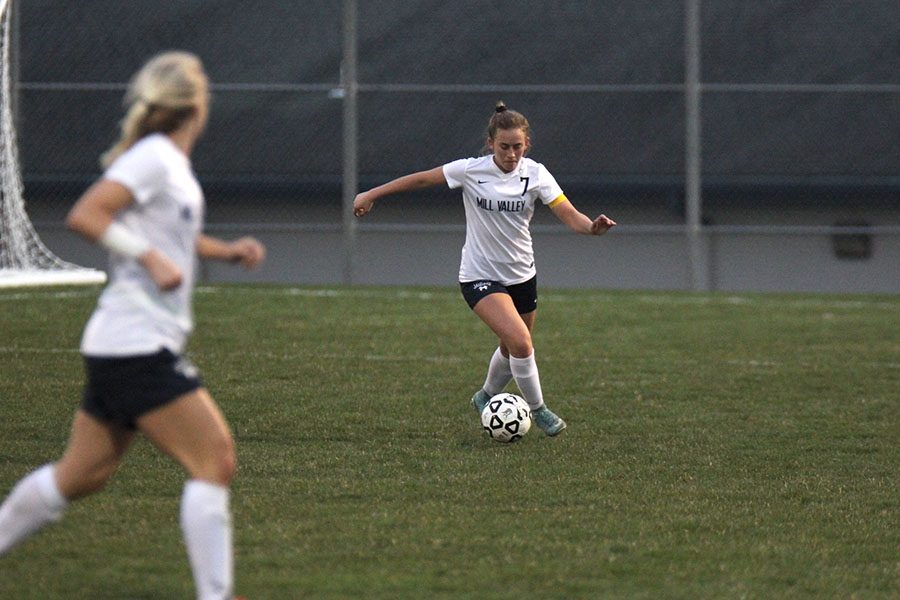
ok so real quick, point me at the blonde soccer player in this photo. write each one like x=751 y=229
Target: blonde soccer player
x=497 y=275
x=147 y=210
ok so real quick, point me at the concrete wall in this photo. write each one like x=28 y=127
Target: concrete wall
x=620 y=260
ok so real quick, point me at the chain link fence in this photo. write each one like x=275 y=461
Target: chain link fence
x=797 y=104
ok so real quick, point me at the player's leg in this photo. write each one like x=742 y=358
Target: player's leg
x=497 y=310
x=499 y=313
x=514 y=330
x=528 y=319
x=527 y=371
x=193 y=431
x=499 y=373
x=524 y=296
x=496 y=380
x=94 y=452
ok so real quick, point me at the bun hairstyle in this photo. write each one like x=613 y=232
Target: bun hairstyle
x=165 y=93
x=505 y=118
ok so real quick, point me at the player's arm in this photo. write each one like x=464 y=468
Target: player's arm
x=578 y=221
x=246 y=251
x=93 y=217
x=414 y=181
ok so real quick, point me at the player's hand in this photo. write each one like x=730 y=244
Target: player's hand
x=247 y=252
x=601 y=225
x=163 y=270
x=362 y=204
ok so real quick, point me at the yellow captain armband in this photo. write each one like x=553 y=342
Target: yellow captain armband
x=558 y=200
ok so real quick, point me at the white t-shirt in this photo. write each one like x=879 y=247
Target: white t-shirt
x=499 y=207
x=133 y=315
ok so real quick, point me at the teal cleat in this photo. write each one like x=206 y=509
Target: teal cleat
x=546 y=420
x=480 y=400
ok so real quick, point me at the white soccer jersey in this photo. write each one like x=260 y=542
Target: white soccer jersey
x=133 y=315
x=499 y=207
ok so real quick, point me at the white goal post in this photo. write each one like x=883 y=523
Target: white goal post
x=24 y=259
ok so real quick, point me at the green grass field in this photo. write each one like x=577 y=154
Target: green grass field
x=719 y=446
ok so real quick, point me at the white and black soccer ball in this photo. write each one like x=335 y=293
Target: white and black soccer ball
x=506 y=417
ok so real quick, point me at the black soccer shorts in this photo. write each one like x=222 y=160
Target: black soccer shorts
x=121 y=389
x=524 y=295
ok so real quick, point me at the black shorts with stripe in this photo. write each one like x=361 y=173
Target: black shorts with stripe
x=121 y=389
x=524 y=295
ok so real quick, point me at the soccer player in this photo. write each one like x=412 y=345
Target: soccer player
x=147 y=210
x=497 y=275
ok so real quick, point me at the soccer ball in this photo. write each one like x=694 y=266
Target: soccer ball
x=506 y=417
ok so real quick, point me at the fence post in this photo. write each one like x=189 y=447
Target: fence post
x=350 y=127
x=693 y=186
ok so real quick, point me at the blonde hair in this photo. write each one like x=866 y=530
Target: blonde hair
x=165 y=93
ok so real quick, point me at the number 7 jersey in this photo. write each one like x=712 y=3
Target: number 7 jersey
x=499 y=207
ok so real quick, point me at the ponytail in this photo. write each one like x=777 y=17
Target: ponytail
x=164 y=94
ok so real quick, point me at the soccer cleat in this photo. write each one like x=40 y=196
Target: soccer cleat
x=480 y=400
x=546 y=420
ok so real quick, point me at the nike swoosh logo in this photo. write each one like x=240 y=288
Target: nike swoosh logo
x=480 y=181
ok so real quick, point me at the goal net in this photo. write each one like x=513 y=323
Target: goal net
x=24 y=259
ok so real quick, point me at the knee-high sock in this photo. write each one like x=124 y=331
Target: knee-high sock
x=498 y=375
x=34 y=502
x=206 y=524
x=525 y=372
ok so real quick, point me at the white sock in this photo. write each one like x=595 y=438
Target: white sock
x=525 y=372
x=34 y=502
x=206 y=524
x=498 y=374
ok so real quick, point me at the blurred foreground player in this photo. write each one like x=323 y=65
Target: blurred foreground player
x=147 y=210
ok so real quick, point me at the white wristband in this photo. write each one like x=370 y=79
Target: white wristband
x=117 y=238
